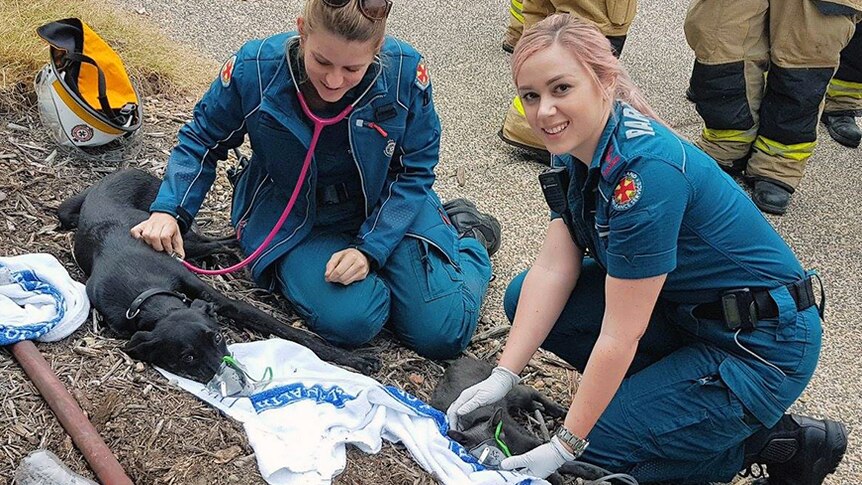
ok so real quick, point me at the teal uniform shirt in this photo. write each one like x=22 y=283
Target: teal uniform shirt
x=651 y=203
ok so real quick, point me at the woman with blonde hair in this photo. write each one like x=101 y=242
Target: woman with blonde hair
x=693 y=324
x=368 y=241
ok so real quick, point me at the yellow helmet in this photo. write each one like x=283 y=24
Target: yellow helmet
x=85 y=96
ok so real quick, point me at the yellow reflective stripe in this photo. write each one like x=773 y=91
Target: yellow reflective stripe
x=517 y=15
x=82 y=113
x=844 y=89
x=748 y=136
x=846 y=84
x=518 y=106
x=519 y=6
x=797 y=151
x=843 y=94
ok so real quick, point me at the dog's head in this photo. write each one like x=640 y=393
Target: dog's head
x=186 y=342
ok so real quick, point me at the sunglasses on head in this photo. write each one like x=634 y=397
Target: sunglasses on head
x=371 y=9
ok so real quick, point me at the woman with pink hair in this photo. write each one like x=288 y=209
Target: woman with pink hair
x=692 y=322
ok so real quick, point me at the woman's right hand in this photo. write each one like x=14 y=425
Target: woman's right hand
x=162 y=232
x=489 y=391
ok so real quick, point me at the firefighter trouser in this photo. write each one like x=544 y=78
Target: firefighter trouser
x=613 y=17
x=774 y=119
x=845 y=89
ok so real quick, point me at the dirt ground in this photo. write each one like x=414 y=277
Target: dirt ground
x=160 y=434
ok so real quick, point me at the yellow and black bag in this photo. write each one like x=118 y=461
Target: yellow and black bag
x=85 y=95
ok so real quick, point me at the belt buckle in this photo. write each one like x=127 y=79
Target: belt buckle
x=738 y=309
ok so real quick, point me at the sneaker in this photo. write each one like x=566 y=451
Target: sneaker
x=469 y=222
x=842 y=127
x=798 y=450
x=507 y=47
x=771 y=196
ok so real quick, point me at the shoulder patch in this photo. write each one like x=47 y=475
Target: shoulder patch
x=423 y=80
x=628 y=191
x=227 y=71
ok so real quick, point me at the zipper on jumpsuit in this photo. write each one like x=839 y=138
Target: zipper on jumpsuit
x=351 y=120
x=370 y=124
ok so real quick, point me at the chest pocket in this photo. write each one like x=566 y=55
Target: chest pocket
x=379 y=139
x=279 y=150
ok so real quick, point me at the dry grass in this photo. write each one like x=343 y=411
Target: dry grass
x=157 y=64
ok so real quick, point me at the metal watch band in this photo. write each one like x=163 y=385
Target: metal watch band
x=578 y=445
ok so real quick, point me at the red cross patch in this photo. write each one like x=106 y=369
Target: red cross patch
x=227 y=71
x=628 y=192
x=422 y=77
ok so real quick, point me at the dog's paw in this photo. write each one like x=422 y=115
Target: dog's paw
x=365 y=362
x=549 y=406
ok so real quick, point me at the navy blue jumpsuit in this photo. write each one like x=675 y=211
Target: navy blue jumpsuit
x=370 y=187
x=649 y=204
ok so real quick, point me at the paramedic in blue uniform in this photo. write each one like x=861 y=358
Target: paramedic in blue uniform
x=368 y=241
x=693 y=324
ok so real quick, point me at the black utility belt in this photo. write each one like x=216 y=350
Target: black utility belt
x=742 y=308
x=338 y=193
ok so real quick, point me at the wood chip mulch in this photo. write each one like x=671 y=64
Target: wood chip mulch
x=162 y=435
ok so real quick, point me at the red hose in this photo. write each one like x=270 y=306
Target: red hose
x=86 y=438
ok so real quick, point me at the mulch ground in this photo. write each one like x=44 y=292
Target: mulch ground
x=160 y=434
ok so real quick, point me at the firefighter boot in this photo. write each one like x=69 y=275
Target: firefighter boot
x=517 y=132
x=772 y=196
x=842 y=127
x=798 y=450
x=469 y=222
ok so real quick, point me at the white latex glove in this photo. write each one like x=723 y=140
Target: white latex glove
x=489 y=391
x=541 y=461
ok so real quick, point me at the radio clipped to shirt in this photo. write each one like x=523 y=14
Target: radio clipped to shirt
x=555 y=187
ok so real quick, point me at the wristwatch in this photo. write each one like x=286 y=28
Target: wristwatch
x=578 y=445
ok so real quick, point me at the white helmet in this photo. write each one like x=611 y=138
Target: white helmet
x=86 y=98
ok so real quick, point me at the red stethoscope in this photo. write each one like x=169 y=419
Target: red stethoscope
x=319 y=125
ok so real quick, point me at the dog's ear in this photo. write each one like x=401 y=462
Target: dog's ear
x=491 y=424
x=206 y=306
x=141 y=345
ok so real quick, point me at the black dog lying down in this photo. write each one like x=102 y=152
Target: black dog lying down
x=169 y=313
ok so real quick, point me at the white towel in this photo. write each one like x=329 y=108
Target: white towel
x=299 y=424
x=39 y=300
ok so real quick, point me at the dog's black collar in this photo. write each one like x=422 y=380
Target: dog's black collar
x=135 y=307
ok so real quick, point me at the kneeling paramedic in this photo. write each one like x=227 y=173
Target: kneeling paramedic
x=368 y=241
x=693 y=325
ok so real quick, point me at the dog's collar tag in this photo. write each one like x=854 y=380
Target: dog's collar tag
x=492 y=451
x=488 y=454
x=135 y=307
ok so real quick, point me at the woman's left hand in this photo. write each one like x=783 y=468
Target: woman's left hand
x=347 y=266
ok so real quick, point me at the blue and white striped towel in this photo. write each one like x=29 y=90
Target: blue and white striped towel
x=300 y=423
x=39 y=300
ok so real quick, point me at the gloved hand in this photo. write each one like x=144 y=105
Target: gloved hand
x=489 y=391
x=541 y=461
